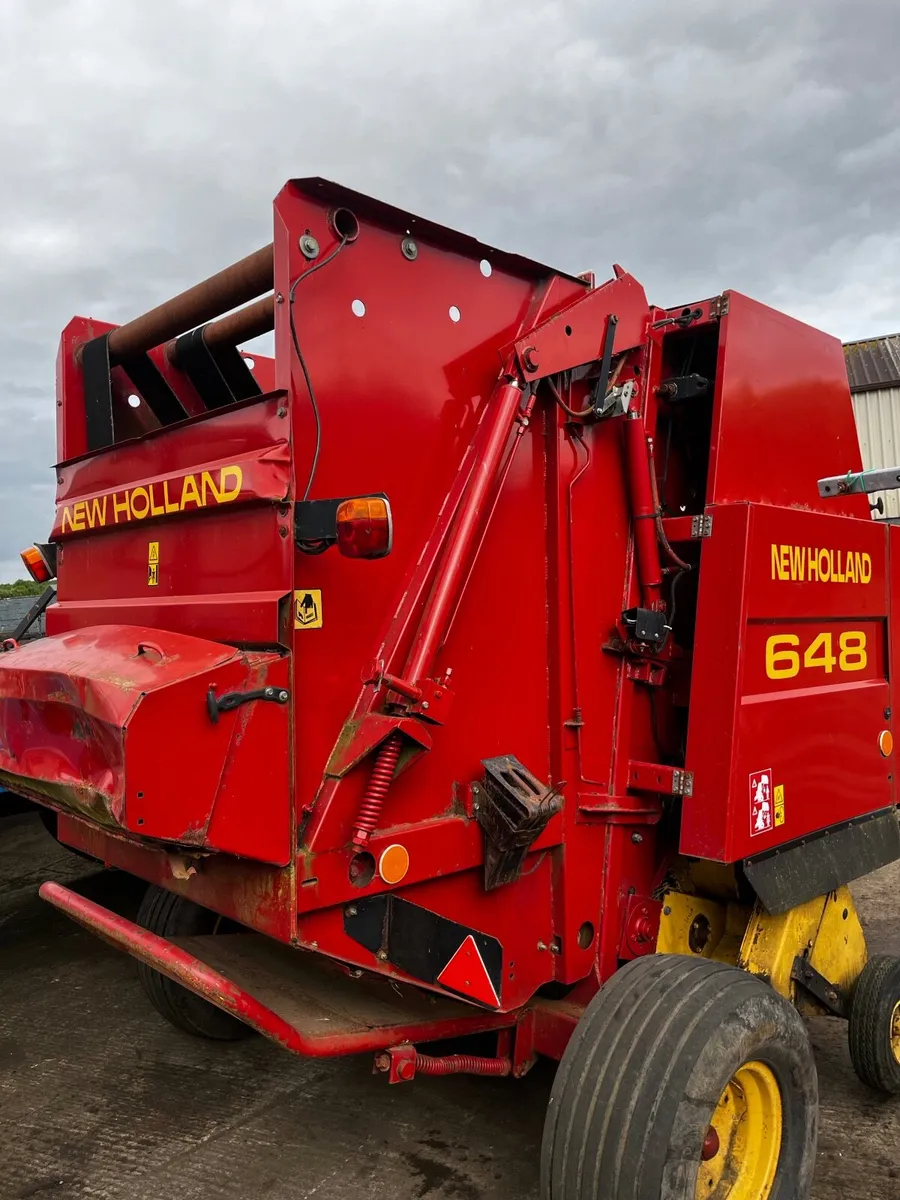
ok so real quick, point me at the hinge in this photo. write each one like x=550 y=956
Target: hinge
x=718 y=306
x=655 y=777
x=701 y=525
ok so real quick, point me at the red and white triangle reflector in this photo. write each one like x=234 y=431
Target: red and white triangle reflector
x=466 y=973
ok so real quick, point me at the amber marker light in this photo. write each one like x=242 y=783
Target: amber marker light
x=364 y=527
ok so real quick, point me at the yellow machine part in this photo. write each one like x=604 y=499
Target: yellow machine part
x=826 y=931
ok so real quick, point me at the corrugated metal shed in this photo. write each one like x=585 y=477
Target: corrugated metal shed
x=873 y=368
x=873 y=363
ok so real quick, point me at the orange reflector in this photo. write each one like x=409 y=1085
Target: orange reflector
x=394 y=863
x=364 y=527
x=36 y=565
x=886 y=742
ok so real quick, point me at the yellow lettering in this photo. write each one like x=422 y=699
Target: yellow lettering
x=812 y=563
x=865 y=573
x=97 y=511
x=139 y=493
x=170 y=505
x=797 y=562
x=206 y=482
x=66 y=519
x=235 y=473
x=824 y=566
x=121 y=506
x=78 y=515
x=852 y=575
x=775 y=572
x=156 y=510
x=189 y=491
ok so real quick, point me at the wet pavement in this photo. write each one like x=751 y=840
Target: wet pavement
x=99 y=1097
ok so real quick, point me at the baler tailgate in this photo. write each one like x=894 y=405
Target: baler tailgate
x=309 y=1005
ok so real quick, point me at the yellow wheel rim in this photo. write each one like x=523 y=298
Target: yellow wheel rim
x=743 y=1145
x=895 y=1031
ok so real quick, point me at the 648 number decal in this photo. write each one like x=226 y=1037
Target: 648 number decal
x=785 y=657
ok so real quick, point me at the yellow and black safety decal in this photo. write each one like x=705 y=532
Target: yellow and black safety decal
x=153 y=565
x=308 y=609
x=779 y=804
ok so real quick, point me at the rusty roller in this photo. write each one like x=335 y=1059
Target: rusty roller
x=235 y=285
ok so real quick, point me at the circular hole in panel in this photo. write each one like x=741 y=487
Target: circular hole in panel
x=362 y=869
x=455 y=314
x=359 y=309
x=585 y=935
x=568 y=331
x=134 y=401
x=345 y=224
x=249 y=362
x=485 y=268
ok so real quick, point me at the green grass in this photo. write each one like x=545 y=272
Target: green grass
x=22 y=587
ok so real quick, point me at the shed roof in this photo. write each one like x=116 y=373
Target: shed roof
x=873 y=363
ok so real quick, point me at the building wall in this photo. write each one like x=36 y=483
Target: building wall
x=878 y=422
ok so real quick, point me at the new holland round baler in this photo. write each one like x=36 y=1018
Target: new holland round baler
x=486 y=662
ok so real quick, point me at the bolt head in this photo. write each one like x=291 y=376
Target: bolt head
x=283 y=696
x=309 y=247
x=667 y=912
x=351 y=910
x=530 y=358
x=409 y=249
x=381 y=955
x=637 y=838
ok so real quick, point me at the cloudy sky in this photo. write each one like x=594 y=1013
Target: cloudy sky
x=704 y=144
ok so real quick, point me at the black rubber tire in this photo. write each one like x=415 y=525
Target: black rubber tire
x=164 y=913
x=644 y=1071
x=876 y=995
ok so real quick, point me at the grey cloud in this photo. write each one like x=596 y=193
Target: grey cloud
x=703 y=145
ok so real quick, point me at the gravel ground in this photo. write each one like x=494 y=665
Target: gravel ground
x=99 y=1097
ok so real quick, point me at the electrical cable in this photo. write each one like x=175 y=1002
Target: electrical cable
x=303 y=367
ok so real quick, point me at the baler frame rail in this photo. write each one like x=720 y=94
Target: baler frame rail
x=293 y=995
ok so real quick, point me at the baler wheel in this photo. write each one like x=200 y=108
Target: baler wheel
x=168 y=915
x=875 y=1025
x=685 y=1079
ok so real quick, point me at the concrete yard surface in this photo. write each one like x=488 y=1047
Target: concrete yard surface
x=99 y=1097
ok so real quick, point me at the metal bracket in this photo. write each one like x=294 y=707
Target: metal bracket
x=656 y=777
x=98 y=397
x=883 y=479
x=829 y=995
x=47 y=596
x=230 y=700
x=701 y=525
x=219 y=374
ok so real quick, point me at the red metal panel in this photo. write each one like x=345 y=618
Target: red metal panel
x=783 y=417
x=401 y=391
x=783 y=662
x=114 y=721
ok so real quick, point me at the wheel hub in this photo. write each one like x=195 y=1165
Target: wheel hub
x=740 y=1152
x=895 y=1031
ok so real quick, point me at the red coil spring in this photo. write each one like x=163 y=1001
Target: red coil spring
x=461 y=1064
x=377 y=789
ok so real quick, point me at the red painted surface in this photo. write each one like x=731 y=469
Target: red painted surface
x=494 y=627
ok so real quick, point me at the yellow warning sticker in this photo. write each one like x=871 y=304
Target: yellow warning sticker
x=308 y=609
x=779 y=803
x=153 y=565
